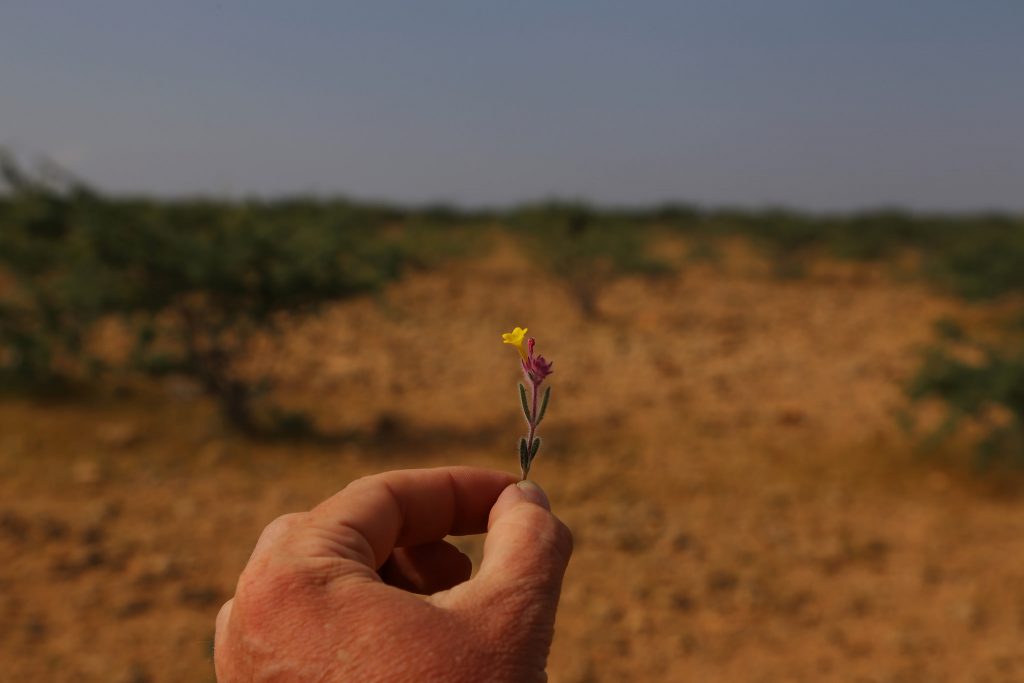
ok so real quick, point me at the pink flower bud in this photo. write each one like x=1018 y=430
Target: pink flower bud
x=540 y=368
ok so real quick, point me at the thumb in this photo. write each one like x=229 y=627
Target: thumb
x=525 y=556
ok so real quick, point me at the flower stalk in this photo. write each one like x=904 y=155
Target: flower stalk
x=535 y=369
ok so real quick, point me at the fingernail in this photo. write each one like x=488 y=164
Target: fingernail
x=534 y=493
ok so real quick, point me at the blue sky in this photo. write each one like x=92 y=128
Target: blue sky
x=821 y=104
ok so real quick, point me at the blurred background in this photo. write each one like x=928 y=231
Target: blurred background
x=251 y=251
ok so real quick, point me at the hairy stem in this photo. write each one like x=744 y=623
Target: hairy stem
x=533 y=429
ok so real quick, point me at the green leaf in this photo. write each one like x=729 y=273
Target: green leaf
x=544 y=404
x=534 y=448
x=522 y=398
x=524 y=456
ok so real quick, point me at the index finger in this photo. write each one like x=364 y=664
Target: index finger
x=372 y=516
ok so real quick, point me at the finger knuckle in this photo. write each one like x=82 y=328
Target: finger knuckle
x=273 y=534
x=368 y=480
x=268 y=586
x=284 y=523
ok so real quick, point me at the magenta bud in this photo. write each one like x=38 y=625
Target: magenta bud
x=540 y=368
x=529 y=344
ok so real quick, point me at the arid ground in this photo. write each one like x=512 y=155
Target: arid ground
x=724 y=443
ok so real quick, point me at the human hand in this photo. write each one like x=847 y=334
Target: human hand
x=331 y=594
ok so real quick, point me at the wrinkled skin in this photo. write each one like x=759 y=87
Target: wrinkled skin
x=364 y=588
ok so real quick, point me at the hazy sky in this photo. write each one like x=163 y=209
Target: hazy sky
x=811 y=103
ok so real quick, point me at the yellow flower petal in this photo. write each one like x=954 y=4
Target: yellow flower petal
x=515 y=337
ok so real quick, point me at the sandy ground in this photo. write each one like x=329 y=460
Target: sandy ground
x=722 y=442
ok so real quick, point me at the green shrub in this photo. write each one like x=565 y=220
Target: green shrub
x=585 y=247
x=971 y=389
x=195 y=280
x=982 y=261
x=974 y=256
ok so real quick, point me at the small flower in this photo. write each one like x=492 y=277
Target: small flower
x=515 y=337
x=539 y=369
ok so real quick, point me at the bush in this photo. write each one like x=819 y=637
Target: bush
x=974 y=256
x=194 y=280
x=587 y=248
x=983 y=261
x=971 y=389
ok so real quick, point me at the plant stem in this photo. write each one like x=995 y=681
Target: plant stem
x=533 y=430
